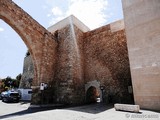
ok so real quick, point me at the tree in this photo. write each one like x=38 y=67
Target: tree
x=9 y=82
x=27 y=53
x=18 y=79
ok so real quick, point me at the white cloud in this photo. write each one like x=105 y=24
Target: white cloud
x=48 y=15
x=56 y=11
x=1 y=29
x=90 y=12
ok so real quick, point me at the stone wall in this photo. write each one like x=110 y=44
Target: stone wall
x=90 y=58
x=71 y=56
x=69 y=66
x=142 y=23
x=106 y=60
x=28 y=73
x=82 y=57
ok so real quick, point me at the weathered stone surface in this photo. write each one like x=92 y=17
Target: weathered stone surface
x=127 y=107
x=106 y=60
x=69 y=67
x=143 y=36
x=72 y=56
x=28 y=73
x=83 y=57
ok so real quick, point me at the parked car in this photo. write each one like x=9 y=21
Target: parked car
x=10 y=96
x=0 y=97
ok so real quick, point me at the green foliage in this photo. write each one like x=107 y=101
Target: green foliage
x=9 y=83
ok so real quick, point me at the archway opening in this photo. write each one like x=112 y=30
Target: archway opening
x=12 y=51
x=15 y=61
x=92 y=95
x=38 y=41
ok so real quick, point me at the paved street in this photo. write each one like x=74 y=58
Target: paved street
x=21 y=111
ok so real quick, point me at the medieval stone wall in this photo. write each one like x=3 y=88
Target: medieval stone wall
x=94 y=58
x=28 y=73
x=99 y=56
x=69 y=67
x=71 y=57
x=106 y=60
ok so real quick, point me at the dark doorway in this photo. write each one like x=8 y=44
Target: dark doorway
x=92 y=95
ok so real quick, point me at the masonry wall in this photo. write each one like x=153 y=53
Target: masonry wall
x=142 y=21
x=102 y=59
x=106 y=60
x=95 y=58
x=28 y=73
x=98 y=56
x=61 y=60
x=69 y=86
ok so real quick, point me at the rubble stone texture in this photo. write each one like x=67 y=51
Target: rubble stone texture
x=28 y=73
x=70 y=56
x=106 y=60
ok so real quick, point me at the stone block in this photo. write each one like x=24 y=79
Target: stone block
x=127 y=107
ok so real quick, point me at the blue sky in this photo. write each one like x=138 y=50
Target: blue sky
x=93 y=13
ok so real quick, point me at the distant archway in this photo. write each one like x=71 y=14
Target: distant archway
x=89 y=88
x=92 y=95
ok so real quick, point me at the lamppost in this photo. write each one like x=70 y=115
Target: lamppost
x=102 y=89
x=43 y=86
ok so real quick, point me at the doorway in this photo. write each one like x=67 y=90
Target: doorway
x=92 y=95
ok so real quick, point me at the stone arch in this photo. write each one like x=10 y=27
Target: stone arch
x=92 y=94
x=95 y=85
x=38 y=40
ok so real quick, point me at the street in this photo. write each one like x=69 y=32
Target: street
x=23 y=111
